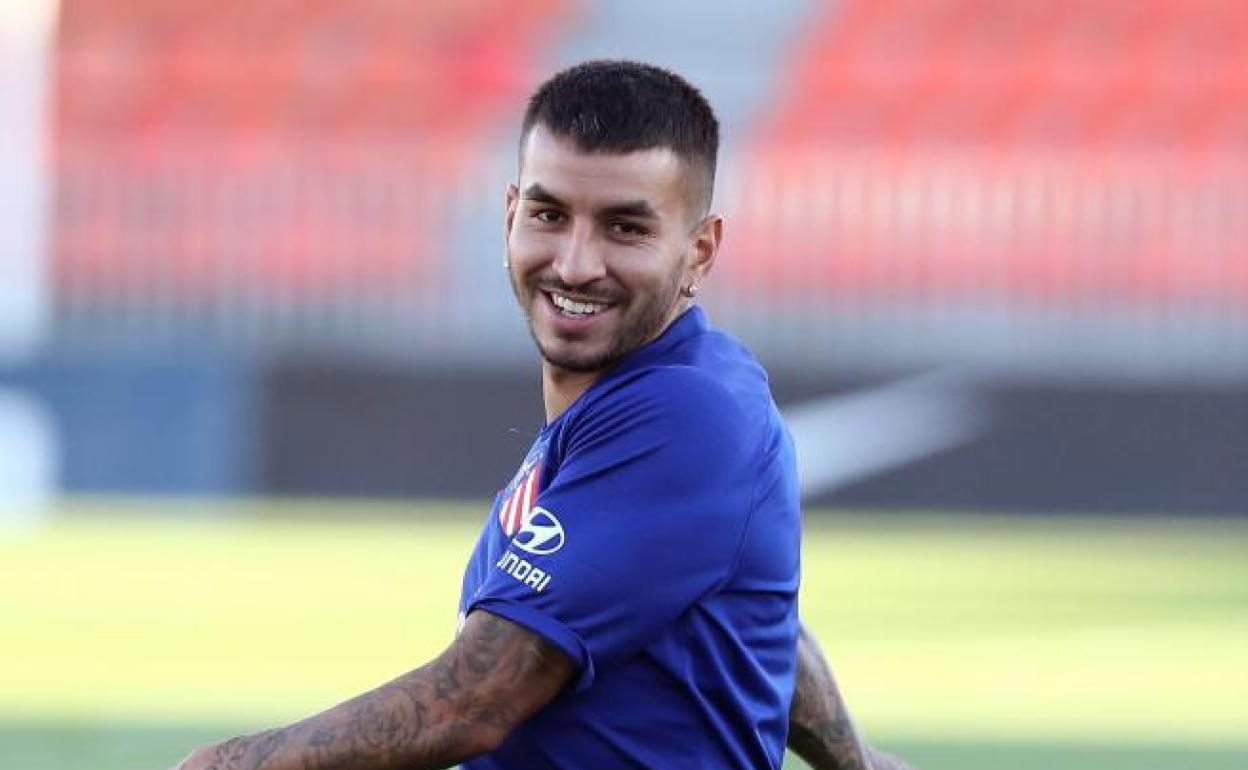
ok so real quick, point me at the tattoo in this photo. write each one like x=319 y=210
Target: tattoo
x=494 y=676
x=268 y=745
x=820 y=729
x=228 y=754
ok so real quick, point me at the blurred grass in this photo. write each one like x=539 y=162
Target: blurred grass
x=133 y=629
x=38 y=747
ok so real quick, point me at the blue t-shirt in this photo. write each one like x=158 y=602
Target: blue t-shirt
x=652 y=534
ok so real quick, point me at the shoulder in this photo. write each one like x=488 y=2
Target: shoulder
x=678 y=393
x=672 y=405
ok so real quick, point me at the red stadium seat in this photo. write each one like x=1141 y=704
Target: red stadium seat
x=279 y=152
x=1052 y=152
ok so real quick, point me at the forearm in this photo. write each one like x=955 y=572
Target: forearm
x=412 y=722
x=463 y=703
x=820 y=729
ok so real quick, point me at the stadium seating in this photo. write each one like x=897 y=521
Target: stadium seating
x=1057 y=151
x=277 y=151
x=318 y=160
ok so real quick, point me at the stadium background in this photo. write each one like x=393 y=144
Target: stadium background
x=259 y=364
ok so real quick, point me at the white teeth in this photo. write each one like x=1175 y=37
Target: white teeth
x=572 y=307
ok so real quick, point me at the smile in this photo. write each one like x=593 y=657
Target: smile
x=576 y=308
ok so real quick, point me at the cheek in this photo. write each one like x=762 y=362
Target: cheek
x=651 y=272
x=526 y=249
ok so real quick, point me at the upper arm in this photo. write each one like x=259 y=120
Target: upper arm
x=496 y=674
x=820 y=729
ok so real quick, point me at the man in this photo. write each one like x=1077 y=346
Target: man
x=632 y=599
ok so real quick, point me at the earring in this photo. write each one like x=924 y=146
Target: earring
x=507 y=263
x=690 y=291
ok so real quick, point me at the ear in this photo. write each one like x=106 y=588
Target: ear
x=704 y=248
x=512 y=201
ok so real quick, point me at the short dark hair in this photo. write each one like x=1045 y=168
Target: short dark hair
x=626 y=106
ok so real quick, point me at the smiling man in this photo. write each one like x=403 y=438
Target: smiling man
x=632 y=598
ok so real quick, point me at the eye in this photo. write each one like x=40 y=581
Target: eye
x=547 y=216
x=628 y=229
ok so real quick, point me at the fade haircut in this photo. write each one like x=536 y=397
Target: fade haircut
x=626 y=106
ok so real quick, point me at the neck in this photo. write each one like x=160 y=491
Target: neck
x=561 y=387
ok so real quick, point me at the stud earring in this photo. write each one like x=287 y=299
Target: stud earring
x=690 y=291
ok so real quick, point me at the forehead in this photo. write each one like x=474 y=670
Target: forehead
x=655 y=175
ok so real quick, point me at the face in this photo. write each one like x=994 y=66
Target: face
x=600 y=246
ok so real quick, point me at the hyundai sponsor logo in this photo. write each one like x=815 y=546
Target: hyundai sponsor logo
x=541 y=534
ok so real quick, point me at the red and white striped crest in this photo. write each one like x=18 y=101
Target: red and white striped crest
x=516 y=507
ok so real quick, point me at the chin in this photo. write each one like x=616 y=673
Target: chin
x=578 y=361
x=575 y=356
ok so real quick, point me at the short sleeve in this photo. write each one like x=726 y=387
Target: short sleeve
x=644 y=516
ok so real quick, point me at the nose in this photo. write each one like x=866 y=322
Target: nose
x=579 y=261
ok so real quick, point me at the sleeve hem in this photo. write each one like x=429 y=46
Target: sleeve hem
x=568 y=642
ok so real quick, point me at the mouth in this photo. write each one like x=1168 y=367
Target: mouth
x=569 y=306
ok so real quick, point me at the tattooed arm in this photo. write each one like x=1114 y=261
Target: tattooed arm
x=463 y=703
x=820 y=730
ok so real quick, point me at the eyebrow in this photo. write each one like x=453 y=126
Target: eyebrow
x=535 y=192
x=638 y=209
x=631 y=209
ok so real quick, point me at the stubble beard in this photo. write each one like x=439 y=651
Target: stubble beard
x=639 y=326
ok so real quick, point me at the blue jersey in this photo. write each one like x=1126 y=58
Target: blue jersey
x=652 y=534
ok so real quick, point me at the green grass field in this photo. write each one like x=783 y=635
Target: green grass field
x=132 y=630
